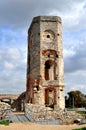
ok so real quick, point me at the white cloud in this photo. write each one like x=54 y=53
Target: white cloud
x=76 y=81
x=72 y=20
x=74 y=86
x=19 y=13
x=8 y=65
x=12 y=70
x=15 y=18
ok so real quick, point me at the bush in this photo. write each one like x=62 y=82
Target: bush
x=4 y=122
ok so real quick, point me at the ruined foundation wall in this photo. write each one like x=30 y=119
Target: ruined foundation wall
x=41 y=113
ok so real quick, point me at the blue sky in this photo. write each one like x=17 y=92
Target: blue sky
x=15 y=19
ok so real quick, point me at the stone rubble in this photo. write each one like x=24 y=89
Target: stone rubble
x=4 y=110
x=40 y=112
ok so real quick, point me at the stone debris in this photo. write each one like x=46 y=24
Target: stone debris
x=4 y=110
x=40 y=112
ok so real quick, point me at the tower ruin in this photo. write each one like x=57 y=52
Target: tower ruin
x=45 y=66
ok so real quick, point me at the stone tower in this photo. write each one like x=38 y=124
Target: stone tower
x=45 y=66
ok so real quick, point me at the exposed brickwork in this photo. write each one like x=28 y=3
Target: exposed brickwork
x=45 y=66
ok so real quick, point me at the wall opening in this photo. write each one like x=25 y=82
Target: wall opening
x=6 y=100
x=50 y=97
x=50 y=70
x=48 y=36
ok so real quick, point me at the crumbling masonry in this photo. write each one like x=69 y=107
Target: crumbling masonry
x=45 y=66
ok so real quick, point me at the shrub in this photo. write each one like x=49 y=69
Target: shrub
x=4 y=122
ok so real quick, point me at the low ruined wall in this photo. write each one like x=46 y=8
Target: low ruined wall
x=36 y=112
x=40 y=113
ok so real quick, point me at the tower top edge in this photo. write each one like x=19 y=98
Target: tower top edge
x=39 y=19
x=47 y=18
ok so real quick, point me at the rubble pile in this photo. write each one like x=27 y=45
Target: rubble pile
x=4 y=110
x=39 y=113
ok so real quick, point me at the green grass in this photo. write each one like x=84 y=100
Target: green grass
x=83 y=113
x=84 y=128
x=4 y=122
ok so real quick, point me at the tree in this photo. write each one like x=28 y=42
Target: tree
x=75 y=99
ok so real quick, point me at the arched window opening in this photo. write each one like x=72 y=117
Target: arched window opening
x=47 y=67
x=50 y=70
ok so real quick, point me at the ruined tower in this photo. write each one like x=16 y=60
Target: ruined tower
x=45 y=66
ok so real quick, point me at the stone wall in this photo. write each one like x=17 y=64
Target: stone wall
x=40 y=113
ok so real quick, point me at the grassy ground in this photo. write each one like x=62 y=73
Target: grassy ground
x=83 y=113
x=84 y=128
